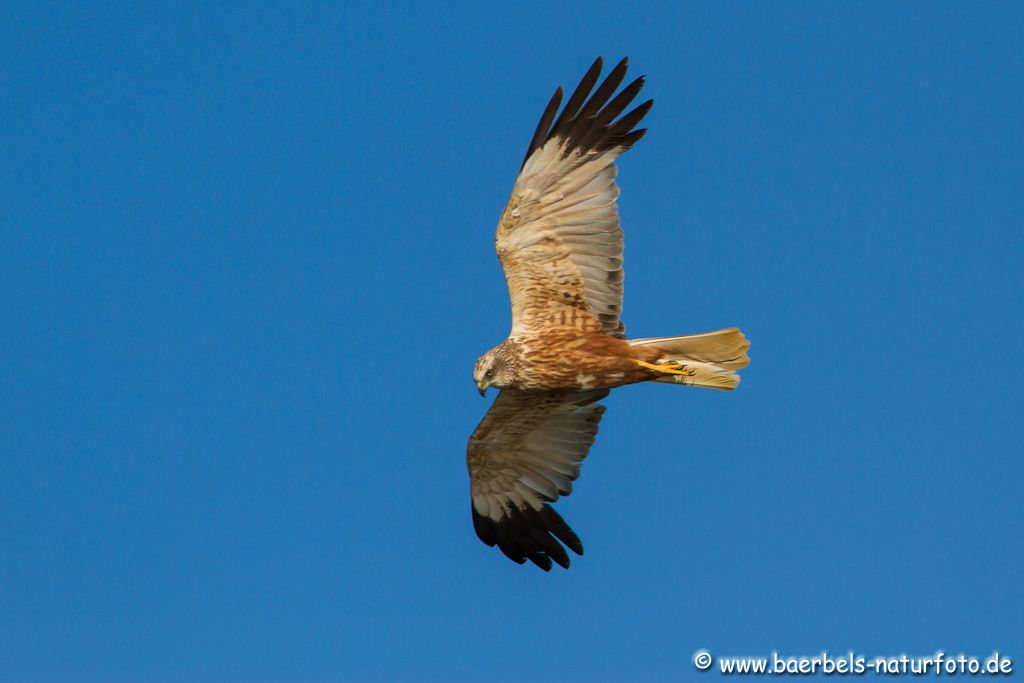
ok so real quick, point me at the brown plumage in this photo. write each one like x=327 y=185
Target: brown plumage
x=560 y=245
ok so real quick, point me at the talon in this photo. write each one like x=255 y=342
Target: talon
x=669 y=368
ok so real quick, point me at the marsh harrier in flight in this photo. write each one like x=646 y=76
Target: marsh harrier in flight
x=560 y=244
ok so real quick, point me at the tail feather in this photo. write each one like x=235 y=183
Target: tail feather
x=711 y=358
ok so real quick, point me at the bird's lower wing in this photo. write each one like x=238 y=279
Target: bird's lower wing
x=524 y=454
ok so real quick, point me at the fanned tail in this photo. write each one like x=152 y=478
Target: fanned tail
x=707 y=360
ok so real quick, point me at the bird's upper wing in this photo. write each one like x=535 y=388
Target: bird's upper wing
x=559 y=239
x=525 y=453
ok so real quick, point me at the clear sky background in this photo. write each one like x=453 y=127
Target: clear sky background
x=246 y=264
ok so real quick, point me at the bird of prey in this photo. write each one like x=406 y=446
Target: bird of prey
x=560 y=245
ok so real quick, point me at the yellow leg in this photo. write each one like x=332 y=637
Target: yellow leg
x=668 y=368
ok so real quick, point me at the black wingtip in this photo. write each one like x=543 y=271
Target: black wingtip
x=528 y=534
x=587 y=121
x=544 y=125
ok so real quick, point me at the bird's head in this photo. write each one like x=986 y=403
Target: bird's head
x=492 y=370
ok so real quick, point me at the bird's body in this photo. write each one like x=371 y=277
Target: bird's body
x=569 y=360
x=560 y=245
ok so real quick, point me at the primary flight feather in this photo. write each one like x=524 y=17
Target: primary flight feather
x=560 y=245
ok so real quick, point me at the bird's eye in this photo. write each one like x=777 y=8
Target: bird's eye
x=490 y=373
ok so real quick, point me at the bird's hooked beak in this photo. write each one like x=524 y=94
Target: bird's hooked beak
x=482 y=388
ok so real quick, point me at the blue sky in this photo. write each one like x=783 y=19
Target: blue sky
x=246 y=256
